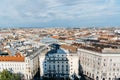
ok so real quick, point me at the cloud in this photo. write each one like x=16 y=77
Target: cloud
x=24 y=11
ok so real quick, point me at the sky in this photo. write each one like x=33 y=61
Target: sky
x=59 y=13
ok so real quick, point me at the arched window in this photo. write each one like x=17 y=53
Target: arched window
x=87 y=73
x=109 y=78
x=92 y=75
x=97 y=78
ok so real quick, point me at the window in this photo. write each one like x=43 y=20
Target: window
x=109 y=73
x=97 y=72
x=110 y=59
x=98 y=63
x=113 y=73
x=66 y=65
x=49 y=66
x=117 y=69
x=113 y=69
x=109 y=78
x=54 y=66
x=104 y=59
x=104 y=64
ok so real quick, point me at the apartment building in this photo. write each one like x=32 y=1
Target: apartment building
x=58 y=62
x=103 y=65
x=24 y=62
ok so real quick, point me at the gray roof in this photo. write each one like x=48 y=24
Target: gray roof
x=48 y=40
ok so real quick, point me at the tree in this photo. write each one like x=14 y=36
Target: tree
x=7 y=75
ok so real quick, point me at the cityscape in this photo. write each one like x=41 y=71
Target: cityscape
x=59 y=39
x=61 y=53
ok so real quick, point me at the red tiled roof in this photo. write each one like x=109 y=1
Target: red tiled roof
x=17 y=58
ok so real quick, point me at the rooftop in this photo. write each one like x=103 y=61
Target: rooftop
x=17 y=58
x=70 y=48
x=61 y=49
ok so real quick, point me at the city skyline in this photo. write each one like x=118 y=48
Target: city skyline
x=52 y=13
x=60 y=53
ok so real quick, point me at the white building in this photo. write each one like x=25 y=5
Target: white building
x=103 y=65
x=117 y=31
x=58 y=62
x=26 y=63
